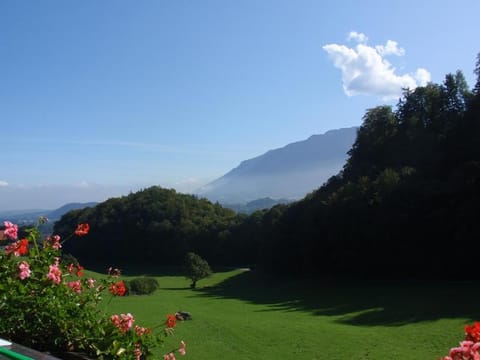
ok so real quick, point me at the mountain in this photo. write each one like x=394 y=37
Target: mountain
x=57 y=213
x=23 y=217
x=289 y=172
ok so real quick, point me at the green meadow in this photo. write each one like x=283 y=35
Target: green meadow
x=240 y=314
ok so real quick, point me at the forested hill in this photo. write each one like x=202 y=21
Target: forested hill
x=154 y=225
x=407 y=202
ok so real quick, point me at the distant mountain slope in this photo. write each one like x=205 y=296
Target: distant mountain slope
x=258 y=204
x=31 y=216
x=57 y=214
x=288 y=172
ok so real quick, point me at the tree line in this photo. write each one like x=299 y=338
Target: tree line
x=407 y=203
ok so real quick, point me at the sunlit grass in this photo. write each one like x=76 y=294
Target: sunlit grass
x=240 y=315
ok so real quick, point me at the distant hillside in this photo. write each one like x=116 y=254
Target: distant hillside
x=258 y=204
x=58 y=213
x=289 y=172
x=32 y=215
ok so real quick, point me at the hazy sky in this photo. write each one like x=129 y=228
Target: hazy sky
x=98 y=98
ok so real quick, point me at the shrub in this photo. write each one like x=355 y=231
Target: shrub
x=142 y=285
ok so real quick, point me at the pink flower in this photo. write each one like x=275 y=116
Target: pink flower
x=75 y=286
x=140 y=331
x=170 y=356
x=90 y=283
x=55 y=274
x=53 y=241
x=11 y=230
x=468 y=350
x=182 y=349
x=24 y=270
x=137 y=352
x=123 y=321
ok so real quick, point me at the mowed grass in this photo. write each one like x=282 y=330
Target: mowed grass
x=241 y=314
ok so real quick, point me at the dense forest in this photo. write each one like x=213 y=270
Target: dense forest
x=155 y=225
x=407 y=203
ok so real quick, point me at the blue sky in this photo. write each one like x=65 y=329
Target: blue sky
x=99 y=98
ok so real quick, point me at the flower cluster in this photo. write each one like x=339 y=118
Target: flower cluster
x=469 y=349
x=82 y=229
x=48 y=304
x=24 y=270
x=123 y=321
x=11 y=230
x=171 y=321
x=53 y=241
x=18 y=248
x=118 y=288
x=55 y=273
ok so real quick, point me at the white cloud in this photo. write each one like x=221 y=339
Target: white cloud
x=365 y=71
x=358 y=37
x=390 y=48
x=3 y=183
x=423 y=76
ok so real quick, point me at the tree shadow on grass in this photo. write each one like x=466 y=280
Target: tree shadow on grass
x=356 y=302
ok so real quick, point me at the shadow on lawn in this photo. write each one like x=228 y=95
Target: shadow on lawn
x=362 y=302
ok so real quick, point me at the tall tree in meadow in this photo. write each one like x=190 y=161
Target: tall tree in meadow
x=196 y=268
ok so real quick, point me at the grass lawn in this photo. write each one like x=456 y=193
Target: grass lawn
x=239 y=314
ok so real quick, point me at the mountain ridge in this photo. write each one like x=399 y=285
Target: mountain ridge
x=28 y=216
x=289 y=172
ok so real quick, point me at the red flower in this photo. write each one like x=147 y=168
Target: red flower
x=473 y=332
x=171 y=321
x=77 y=269
x=82 y=229
x=17 y=248
x=118 y=288
x=23 y=247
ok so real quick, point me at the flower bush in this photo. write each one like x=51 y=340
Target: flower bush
x=49 y=305
x=469 y=349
